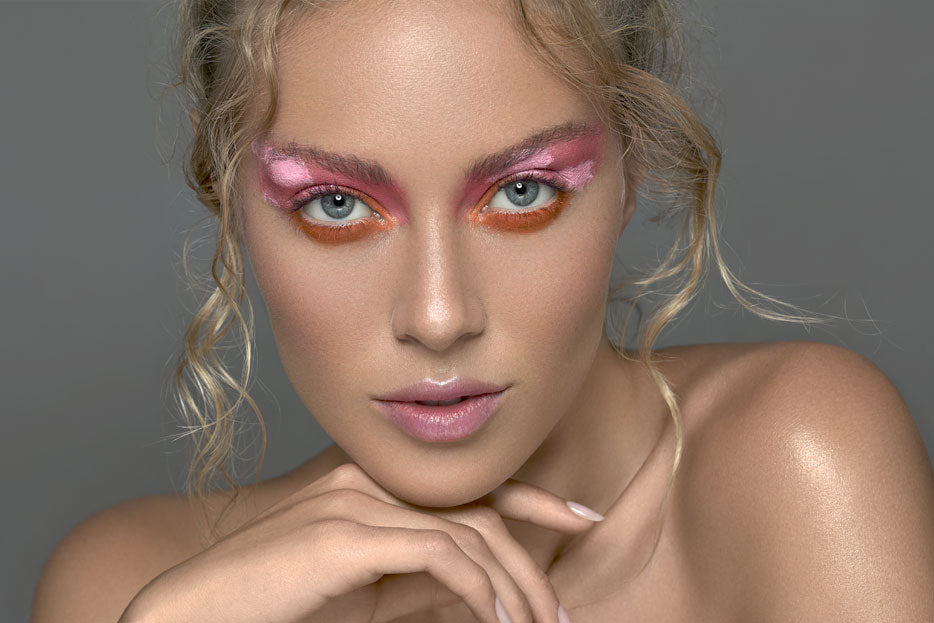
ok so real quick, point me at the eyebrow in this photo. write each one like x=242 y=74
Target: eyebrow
x=490 y=166
x=351 y=166
x=485 y=167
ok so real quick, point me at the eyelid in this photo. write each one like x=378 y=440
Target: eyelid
x=341 y=232
x=542 y=176
x=523 y=221
x=306 y=195
x=519 y=220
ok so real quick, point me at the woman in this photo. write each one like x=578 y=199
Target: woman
x=430 y=195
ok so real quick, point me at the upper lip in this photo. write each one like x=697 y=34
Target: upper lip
x=428 y=389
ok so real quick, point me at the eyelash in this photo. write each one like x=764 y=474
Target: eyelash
x=525 y=220
x=528 y=220
x=334 y=233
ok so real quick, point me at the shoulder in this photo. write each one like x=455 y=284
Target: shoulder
x=806 y=481
x=97 y=568
x=106 y=559
x=785 y=390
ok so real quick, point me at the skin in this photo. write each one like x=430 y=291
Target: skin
x=437 y=294
x=804 y=494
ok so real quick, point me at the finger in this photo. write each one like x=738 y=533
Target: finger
x=358 y=506
x=403 y=597
x=512 y=499
x=383 y=550
x=532 y=580
x=521 y=583
x=352 y=476
x=525 y=502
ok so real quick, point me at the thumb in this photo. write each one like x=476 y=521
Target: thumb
x=525 y=502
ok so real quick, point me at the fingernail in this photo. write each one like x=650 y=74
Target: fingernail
x=563 y=615
x=501 y=612
x=586 y=513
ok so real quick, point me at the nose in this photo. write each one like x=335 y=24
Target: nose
x=436 y=305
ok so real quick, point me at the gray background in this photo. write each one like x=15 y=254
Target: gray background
x=823 y=115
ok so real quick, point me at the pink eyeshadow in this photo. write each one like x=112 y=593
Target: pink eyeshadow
x=540 y=160
x=577 y=177
x=283 y=176
x=288 y=172
x=574 y=161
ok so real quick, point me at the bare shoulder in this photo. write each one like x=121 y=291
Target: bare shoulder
x=806 y=484
x=105 y=560
x=99 y=566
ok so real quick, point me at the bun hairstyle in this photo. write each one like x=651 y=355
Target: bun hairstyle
x=626 y=56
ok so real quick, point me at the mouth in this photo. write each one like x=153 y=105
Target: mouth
x=443 y=403
x=441 y=393
x=442 y=411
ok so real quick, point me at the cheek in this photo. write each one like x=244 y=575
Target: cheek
x=322 y=310
x=555 y=297
x=551 y=302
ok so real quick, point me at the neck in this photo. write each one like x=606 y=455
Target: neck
x=594 y=451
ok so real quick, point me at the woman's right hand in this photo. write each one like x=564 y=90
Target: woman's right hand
x=345 y=549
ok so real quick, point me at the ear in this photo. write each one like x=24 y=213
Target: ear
x=633 y=177
x=195 y=119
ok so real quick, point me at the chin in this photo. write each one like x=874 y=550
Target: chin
x=440 y=492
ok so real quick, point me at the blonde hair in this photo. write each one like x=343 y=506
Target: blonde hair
x=626 y=56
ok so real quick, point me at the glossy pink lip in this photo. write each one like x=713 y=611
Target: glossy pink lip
x=447 y=390
x=437 y=423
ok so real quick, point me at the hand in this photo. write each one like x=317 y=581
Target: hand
x=344 y=547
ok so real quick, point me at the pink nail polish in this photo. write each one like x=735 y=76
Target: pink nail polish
x=586 y=513
x=501 y=612
x=563 y=615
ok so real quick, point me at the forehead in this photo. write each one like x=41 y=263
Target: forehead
x=437 y=76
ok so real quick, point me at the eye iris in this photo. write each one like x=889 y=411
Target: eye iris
x=522 y=193
x=337 y=205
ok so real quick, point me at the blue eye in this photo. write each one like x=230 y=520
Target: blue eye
x=522 y=193
x=336 y=206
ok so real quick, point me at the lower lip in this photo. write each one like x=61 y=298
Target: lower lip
x=442 y=423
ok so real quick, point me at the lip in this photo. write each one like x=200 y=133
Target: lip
x=439 y=423
x=428 y=389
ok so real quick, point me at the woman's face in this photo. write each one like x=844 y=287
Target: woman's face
x=412 y=110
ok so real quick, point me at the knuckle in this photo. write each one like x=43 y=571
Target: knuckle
x=543 y=586
x=541 y=580
x=477 y=581
x=486 y=516
x=339 y=500
x=469 y=536
x=346 y=476
x=438 y=543
x=486 y=520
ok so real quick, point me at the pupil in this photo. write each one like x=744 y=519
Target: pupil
x=337 y=206
x=522 y=193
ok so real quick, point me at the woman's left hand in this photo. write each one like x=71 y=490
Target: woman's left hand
x=511 y=500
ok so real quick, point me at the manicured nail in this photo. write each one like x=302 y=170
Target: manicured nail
x=563 y=615
x=586 y=513
x=501 y=612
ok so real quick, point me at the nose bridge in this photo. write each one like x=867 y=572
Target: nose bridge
x=435 y=303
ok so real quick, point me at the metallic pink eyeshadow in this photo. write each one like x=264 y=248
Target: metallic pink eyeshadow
x=579 y=175
x=288 y=172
